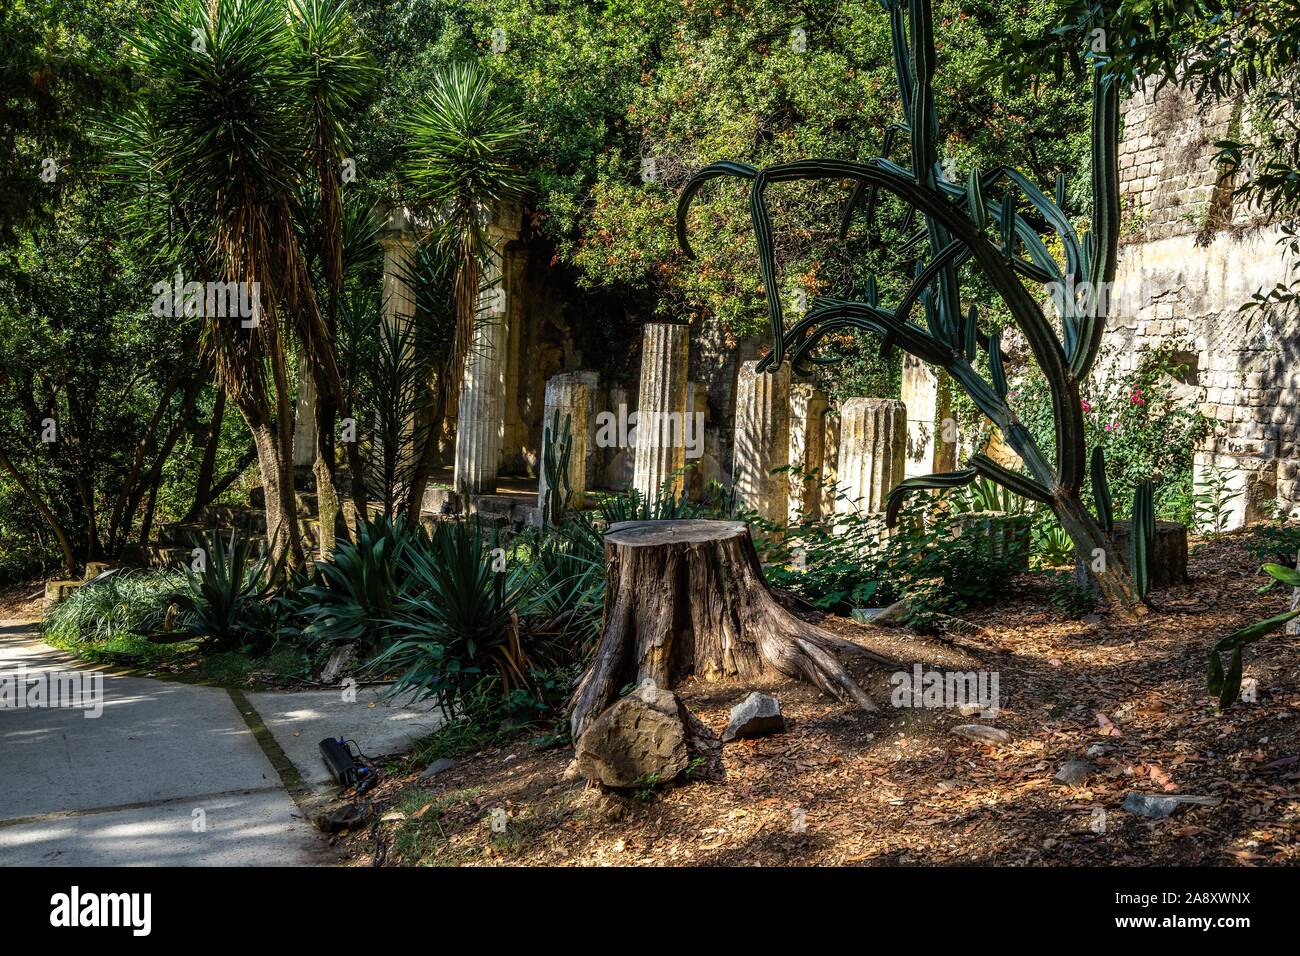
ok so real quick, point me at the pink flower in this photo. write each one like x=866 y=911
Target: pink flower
x=1112 y=426
x=1137 y=399
x=1086 y=406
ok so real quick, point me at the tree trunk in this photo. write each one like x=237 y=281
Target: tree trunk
x=688 y=597
x=208 y=467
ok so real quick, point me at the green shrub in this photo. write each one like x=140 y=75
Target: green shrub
x=1146 y=431
x=1275 y=543
x=929 y=559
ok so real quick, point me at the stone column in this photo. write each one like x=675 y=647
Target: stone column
x=568 y=393
x=872 y=435
x=762 y=441
x=397 y=239
x=661 y=407
x=481 y=411
x=807 y=447
x=931 y=444
x=304 y=419
x=830 y=460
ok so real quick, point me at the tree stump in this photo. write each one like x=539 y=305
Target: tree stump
x=688 y=597
x=1167 y=563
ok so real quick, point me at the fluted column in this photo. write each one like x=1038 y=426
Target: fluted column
x=481 y=414
x=931 y=427
x=807 y=446
x=569 y=394
x=872 y=436
x=830 y=460
x=762 y=440
x=661 y=408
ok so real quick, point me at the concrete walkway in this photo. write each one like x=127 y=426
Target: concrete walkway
x=169 y=773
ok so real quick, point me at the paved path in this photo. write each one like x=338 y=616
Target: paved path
x=169 y=773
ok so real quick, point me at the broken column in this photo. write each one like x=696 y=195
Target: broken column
x=661 y=409
x=872 y=436
x=762 y=441
x=568 y=395
x=481 y=415
x=830 y=461
x=807 y=446
x=931 y=428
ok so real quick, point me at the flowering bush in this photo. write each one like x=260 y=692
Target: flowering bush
x=1146 y=430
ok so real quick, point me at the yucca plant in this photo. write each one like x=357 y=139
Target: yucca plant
x=957 y=225
x=1226 y=684
x=240 y=104
x=463 y=139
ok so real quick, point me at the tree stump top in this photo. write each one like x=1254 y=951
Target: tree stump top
x=639 y=534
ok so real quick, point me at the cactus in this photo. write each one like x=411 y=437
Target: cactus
x=1101 y=490
x=1143 y=539
x=956 y=221
x=557 y=446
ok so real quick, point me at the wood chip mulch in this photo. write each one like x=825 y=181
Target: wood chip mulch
x=897 y=787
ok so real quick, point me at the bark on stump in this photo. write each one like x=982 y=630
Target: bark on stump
x=688 y=597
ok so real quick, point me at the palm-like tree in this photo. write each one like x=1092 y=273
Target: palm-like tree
x=242 y=106
x=464 y=139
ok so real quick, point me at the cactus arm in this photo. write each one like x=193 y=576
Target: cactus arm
x=1143 y=536
x=886 y=147
x=938 y=482
x=1024 y=486
x=1104 y=248
x=1101 y=490
x=709 y=172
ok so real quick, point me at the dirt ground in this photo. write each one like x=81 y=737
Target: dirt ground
x=897 y=787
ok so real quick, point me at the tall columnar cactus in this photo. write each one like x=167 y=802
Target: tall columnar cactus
x=557 y=447
x=961 y=224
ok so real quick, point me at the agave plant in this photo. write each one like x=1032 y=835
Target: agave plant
x=355 y=591
x=960 y=224
x=227 y=601
x=456 y=623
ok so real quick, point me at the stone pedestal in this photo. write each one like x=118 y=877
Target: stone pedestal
x=807 y=447
x=569 y=394
x=481 y=411
x=762 y=441
x=931 y=429
x=872 y=436
x=661 y=409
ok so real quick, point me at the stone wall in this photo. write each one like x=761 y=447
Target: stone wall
x=1190 y=257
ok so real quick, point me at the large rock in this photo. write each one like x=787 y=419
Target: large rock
x=756 y=716
x=640 y=738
